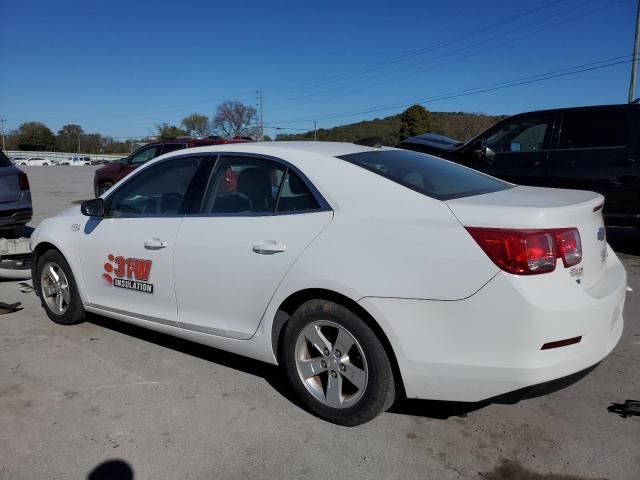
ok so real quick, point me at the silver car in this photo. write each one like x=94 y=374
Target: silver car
x=15 y=196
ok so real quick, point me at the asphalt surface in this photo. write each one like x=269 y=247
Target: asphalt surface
x=73 y=398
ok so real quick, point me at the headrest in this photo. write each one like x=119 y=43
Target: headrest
x=254 y=182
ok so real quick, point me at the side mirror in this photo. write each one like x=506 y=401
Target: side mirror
x=486 y=154
x=93 y=208
x=515 y=146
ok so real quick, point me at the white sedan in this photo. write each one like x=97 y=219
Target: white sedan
x=365 y=272
x=39 y=161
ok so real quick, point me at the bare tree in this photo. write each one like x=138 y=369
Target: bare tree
x=234 y=118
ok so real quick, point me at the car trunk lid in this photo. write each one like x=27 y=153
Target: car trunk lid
x=543 y=208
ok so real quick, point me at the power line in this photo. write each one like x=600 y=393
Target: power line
x=415 y=53
x=477 y=90
x=458 y=50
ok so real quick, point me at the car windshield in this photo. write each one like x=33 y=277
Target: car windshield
x=4 y=160
x=431 y=176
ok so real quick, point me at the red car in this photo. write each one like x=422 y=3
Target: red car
x=108 y=175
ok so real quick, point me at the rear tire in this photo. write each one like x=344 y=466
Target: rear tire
x=57 y=289
x=336 y=364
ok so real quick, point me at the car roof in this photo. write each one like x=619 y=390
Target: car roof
x=331 y=149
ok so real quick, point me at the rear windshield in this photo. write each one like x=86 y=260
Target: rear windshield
x=426 y=174
x=4 y=160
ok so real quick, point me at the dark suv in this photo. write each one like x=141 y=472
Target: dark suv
x=108 y=175
x=587 y=148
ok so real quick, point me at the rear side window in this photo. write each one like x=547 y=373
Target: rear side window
x=592 y=129
x=243 y=186
x=426 y=174
x=172 y=147
x=4 y=160
x=295 y=196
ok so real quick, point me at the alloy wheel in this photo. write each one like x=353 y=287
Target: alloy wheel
x=331 y=364
x=55 y=288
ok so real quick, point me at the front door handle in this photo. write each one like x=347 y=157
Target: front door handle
x=155 y=244
x=269 y=247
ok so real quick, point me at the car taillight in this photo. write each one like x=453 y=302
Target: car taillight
x=23 y=181
x=570 y=246
x=529 y=252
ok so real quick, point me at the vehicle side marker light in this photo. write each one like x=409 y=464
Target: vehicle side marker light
x=561 y=343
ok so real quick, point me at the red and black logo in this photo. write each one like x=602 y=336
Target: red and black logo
x=129 y=273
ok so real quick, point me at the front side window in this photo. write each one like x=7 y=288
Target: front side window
x=157 y=191
x=426 y=174
x=243 y=185
x=521 y=135
x=592 y=129
x=145 y=155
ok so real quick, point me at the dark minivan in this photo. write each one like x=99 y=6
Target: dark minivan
x=587 y=148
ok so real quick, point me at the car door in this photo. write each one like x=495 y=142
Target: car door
x=257 y=216
x=597 y=151
x=127 y=256
x=515 y=150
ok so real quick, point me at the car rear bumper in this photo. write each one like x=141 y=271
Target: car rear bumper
x=15 y=217
x=491 y=343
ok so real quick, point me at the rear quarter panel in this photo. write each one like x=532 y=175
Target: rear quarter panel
x=385 y=241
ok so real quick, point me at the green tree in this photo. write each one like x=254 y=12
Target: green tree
x=165 y=130
x=415 y=121
x=68 y=137
x=196 y=125
x=34 y=136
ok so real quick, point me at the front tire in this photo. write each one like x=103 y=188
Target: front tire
x=57 y=289
x=336 y=364
x=104 y=187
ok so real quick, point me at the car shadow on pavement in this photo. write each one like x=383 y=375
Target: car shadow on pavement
x=272 y=374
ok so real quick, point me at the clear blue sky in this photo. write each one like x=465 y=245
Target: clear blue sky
x=119 y=67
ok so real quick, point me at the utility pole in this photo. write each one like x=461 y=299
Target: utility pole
x=634 y=60
x=78 y=144
x=315 y=130
x=261 y=104
x=2 y=120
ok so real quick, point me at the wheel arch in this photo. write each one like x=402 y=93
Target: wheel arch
x=296 y=299
x=38 y=251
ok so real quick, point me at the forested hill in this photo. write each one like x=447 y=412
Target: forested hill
x=458 y=125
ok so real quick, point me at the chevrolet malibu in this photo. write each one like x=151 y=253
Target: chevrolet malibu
x=366 y=273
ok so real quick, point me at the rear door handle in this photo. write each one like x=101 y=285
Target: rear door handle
x=155 y=244
x=269 y=247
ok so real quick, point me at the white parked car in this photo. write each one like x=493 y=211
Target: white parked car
x=77 y=160
x=364 y=272
x=40 y=161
